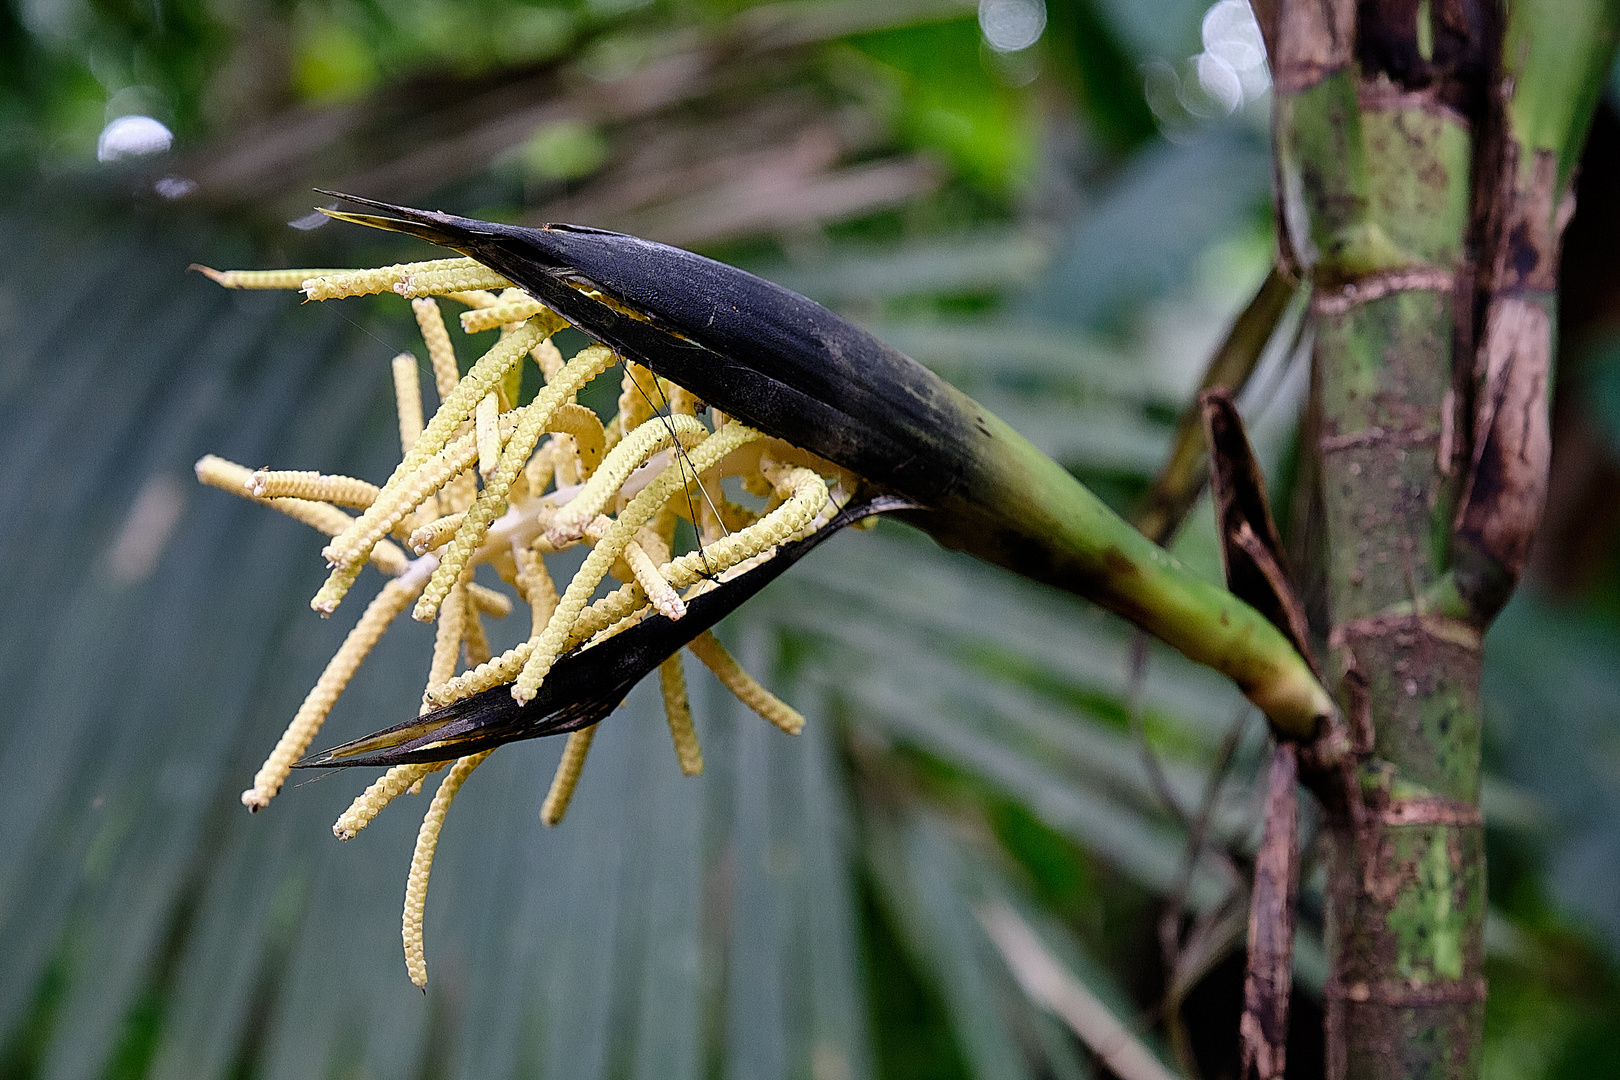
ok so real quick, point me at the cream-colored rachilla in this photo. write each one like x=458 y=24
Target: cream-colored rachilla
x=617 y=488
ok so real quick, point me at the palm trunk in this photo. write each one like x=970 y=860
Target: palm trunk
x=1425 y=211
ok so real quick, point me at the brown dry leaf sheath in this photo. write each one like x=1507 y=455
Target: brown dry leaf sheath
x=1268 y=980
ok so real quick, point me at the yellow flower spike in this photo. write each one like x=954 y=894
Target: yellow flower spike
x=581 y=424
x=640 y=510
x=461 y=491
x=237 y=479
x=224 y=474
x=383 y=515
x=567 y=776
x=549 y=357
x=678 y=710
x=339 y=284
x=724 y=554
x=500 y=313
x=383 y=790
x=435 y=534
x=564 y=455
x=630 y=454
x=535 y=584
x=446 y=642
x=427 y=840
x=448 y=280
x=474 y=298
x=318 y=487
x=494 y=604
x=808 y=497
x=718 y=515
x=441 y=473
x=339 y=670
x=408 y=400
x=658 y=589
x=441 y=354
x=475 y=642
x=335 y=588
x=488 y=427
x=585 y=366
x=707 y=648
x=260 y=279
x=681 y=400
x=231 y=477
x=494 y=672
x=639 y=397
x=538 y=473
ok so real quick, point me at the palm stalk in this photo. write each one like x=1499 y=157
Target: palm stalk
x=790 y=368
x=1421 y=163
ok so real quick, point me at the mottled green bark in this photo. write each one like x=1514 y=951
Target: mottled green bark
x=1418 y=188
x=1410 y=879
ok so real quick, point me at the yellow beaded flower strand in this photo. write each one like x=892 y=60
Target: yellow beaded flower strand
x=488 y=479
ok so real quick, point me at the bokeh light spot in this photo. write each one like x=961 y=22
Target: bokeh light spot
x=1011 y=25
x=1232 y=67
x=132 y=136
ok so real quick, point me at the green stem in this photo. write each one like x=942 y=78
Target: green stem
x=1021 y=510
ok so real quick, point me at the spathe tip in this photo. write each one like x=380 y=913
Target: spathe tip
x=430 y=225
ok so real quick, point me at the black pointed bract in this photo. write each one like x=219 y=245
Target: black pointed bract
x=584 y=685
x=776 y=360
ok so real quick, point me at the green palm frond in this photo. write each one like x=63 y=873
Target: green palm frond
x=810 y=907
x=670 y=926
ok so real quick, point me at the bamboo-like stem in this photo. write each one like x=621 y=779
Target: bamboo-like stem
x=1401 y=161
x=1382 y=226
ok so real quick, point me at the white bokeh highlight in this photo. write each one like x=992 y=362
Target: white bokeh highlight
x=174 y=187
x=1011 y=25
x=132 y=136
x=1232 y=67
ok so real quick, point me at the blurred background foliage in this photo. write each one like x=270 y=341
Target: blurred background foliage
x=1060 y=207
